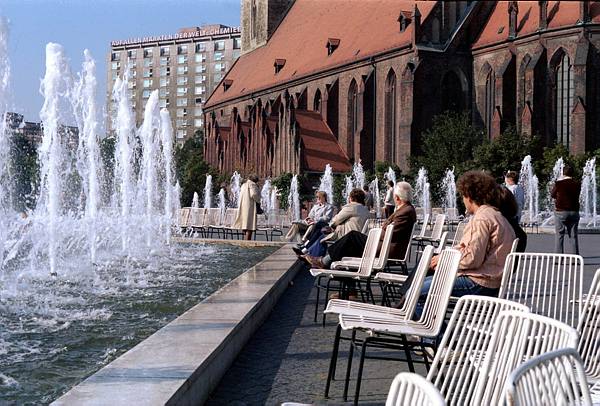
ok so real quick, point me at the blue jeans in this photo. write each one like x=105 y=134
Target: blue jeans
x=566 y=222
x=463 y=286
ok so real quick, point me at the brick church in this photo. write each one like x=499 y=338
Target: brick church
x=338 y=81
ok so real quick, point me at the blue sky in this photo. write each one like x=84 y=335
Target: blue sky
x=92 y=24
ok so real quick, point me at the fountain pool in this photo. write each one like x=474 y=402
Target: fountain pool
x=57 y=331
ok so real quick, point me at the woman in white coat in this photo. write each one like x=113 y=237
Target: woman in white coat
x=246 y=215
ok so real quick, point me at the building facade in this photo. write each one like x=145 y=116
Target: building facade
x=377 y=73
x=184 y=68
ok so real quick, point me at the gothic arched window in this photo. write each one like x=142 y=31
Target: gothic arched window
x=352 y=116
x=317 y=101
x=490 y=101
x=564 y=100
x=391 y=114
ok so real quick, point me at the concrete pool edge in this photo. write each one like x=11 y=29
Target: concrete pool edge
x=184 y=361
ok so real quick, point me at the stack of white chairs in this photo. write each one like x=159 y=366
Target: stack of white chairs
x=342 y=276
x=589 y=336
x=391 y=330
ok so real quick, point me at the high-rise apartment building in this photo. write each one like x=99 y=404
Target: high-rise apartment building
x=184 y=67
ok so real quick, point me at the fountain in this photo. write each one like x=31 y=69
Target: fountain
x=236 y=179
x=588 y=196
x=348 y=188
x=374 y=187
x=208 y=192
x=196 y=201
x=449 y=186
x=390 y=175
x=294 y=199
x=422 y=191
x=529 y=182
x=274 y=200
x=359 y=175
x=326 y=184
x=265 y=198
x=222 y=205
x=71 y=269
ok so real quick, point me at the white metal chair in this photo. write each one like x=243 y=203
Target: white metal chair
x=197 y=219
x=413 y=390
x=554 y=378
x=380 y=262
x=457 y=363
x=434 y=238
x=379 y=329
x=589 y=331
x=458 y=234
x=342 y=277
x=550 y=284
x=338 y=306
x=517 y=337
x=442 y=243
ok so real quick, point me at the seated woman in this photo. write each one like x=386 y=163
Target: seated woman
x=353 y=243
x=351 y=217
x=508 y=206
x=322 y=211
x=486 y=241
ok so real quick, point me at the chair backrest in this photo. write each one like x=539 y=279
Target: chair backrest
x=410 y=389
x=513 y=247
x=213 y=217
x=553 y=378
x=184 y=215
x=589 y=330
x=384 y=252
x=550 y=284
x=442 y=243
x=369 y=225
x=230 y=215
x=438 y=227
x=457 y=363
x=438 y=296
x=517 y=337
x=414 y=290
x=460 y=230
x=424 y=225
x=407 y=252
x=370 y=252
x=452 y=213
x=197 y=217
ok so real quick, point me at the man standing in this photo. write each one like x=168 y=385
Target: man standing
x=565 y=193
x=511 y=180
x=246 y=215
x=369 y=201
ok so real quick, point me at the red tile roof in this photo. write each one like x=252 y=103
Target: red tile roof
x=364 y=27
x=320 y=145
x=560 y=14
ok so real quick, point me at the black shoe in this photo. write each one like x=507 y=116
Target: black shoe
x=298 y=251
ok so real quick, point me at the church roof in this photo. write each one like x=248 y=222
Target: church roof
x=560 y=14
x=364 y=28
x=320 y=145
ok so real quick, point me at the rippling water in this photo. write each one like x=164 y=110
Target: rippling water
x=54 y=331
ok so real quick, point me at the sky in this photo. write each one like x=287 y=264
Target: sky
x=92 y=24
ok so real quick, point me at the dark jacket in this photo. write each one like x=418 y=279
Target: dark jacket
x=402 y=220
x=566 y=194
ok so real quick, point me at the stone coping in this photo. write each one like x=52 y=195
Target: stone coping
x=240 y=243
x=184 y=361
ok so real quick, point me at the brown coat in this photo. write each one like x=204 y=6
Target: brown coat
x=402 y=220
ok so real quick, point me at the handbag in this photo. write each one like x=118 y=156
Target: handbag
x=259 y=209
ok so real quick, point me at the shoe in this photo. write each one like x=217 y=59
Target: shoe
x=298 y=251
x=315 y=262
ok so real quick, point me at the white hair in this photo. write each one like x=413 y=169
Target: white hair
x=404 y=191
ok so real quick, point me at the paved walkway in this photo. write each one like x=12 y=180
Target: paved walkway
x=288 y=358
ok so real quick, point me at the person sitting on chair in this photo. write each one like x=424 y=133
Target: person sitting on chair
x=322 y=211
x=351 y=217
x=353 y=243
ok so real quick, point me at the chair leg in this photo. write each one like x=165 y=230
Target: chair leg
x=409 y=361
x=317 y=285
x=333 y=362
x=361 y=365
x=349 y=366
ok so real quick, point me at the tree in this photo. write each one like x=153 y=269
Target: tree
x=448 y=143
x=505 y=152
x=25 y=172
